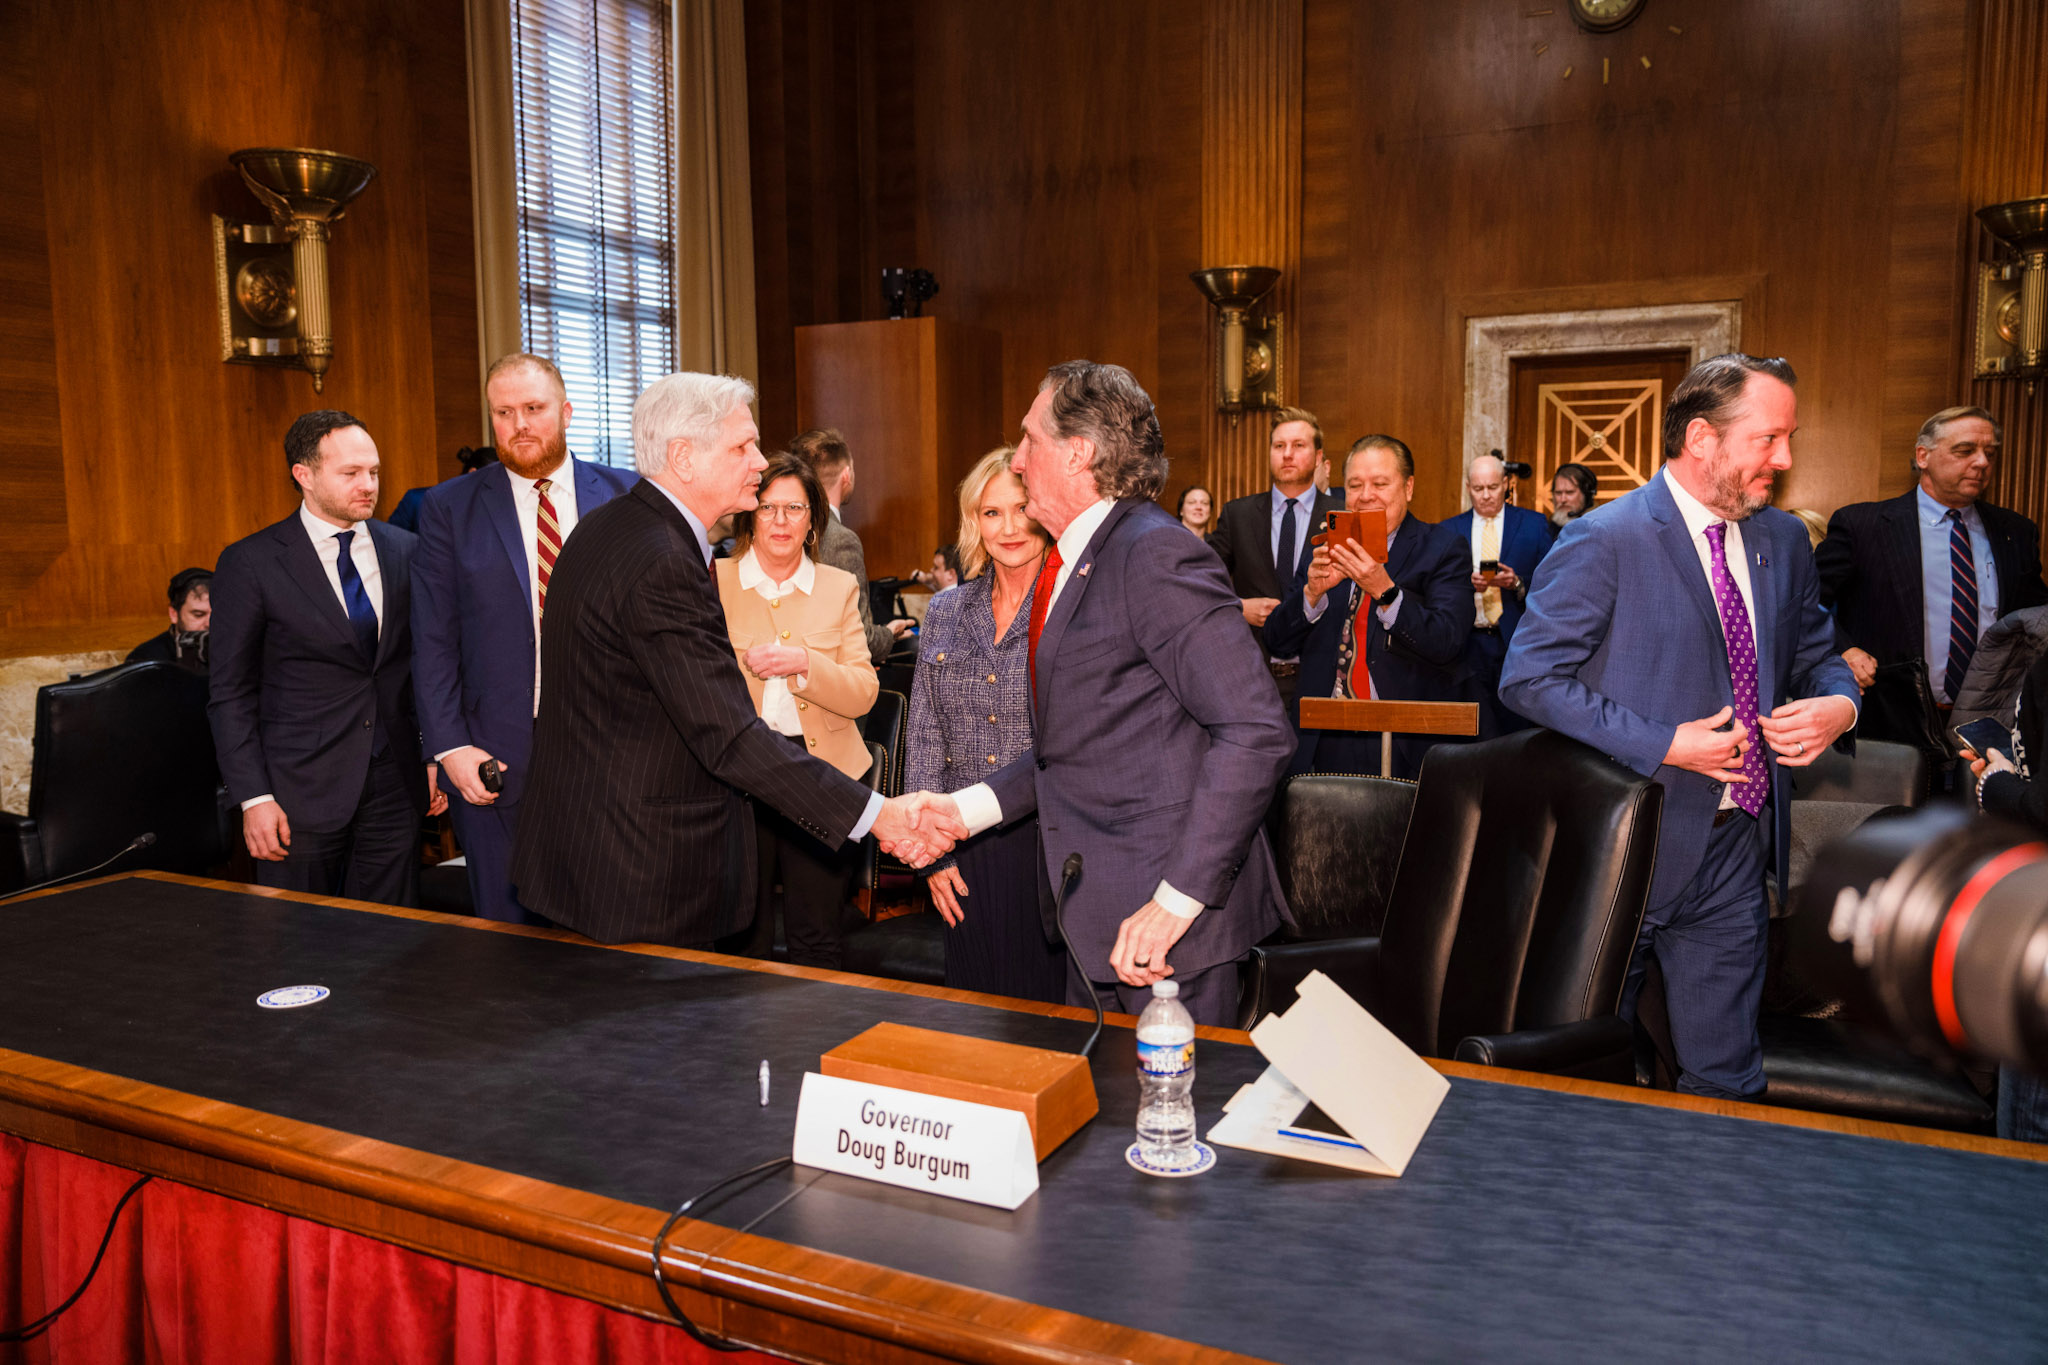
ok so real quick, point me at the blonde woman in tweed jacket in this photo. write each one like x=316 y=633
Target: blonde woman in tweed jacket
x=970 y=713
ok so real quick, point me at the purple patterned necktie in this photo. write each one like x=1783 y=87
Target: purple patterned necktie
x=1749 y=793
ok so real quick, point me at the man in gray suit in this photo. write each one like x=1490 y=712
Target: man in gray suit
x=1160 y=734
x=824 y=450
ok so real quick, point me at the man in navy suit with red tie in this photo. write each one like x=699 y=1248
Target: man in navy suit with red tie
x=1679 y=630
x=312 y=705
x=1381 y=632
x=488 y=544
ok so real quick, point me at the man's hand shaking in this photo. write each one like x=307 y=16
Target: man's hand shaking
x=919 y=827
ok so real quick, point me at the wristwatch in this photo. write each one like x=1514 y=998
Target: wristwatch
x=1386 y=599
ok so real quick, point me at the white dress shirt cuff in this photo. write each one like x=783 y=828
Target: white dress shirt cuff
x=442 y=757
x=979 y=808
x=1314 y=610
x=257 y=800
x=867 y=819
x=1176 y=902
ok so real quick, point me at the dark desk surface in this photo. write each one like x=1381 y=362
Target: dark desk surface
x=1533 y=1224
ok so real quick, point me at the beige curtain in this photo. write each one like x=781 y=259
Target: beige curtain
x=714 y=206
x=493 y=187
x=715 y=329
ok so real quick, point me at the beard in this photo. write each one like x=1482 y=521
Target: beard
x=1731 y=499
x=553 y=450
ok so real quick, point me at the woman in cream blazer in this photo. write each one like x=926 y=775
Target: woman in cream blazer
x=796 y=630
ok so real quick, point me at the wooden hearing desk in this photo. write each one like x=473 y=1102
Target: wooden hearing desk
x=518 y=1100
x=1390 y=718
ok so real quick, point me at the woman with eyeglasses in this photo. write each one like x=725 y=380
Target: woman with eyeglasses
x=795 y=625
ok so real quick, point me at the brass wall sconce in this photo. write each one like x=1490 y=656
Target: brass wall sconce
x=2012 y=294
x=270 y=279
x=1248 y=353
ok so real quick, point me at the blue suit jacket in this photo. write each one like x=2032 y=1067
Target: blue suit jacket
x=1160 y=740
x=1524 y=540
x=473 y=645
x=1623 y=643
x=1420 y=659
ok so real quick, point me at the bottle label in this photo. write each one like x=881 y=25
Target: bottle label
x=1166 y=1059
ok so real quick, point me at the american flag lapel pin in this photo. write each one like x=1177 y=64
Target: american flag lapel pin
x=1083 y=570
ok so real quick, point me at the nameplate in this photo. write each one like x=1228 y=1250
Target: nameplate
x=975 y=1152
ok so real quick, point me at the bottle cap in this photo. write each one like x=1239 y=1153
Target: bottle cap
x=1165 y=990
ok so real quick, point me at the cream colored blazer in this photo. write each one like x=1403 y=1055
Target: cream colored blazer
x=842 y=682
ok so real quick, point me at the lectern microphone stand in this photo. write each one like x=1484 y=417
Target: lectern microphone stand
x=1391 y=718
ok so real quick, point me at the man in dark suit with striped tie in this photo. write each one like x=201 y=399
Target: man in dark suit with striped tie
x=1922 y=576
x=636 y=824
x=312 y=705
x=488 y=544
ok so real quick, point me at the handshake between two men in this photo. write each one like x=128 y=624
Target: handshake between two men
x=919 y=827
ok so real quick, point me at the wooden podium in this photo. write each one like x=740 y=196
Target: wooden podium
x=919 y=401
x=1391 y=718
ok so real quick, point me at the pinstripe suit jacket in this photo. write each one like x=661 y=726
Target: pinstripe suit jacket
x=635 y=825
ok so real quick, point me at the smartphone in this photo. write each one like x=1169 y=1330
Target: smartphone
x=487 y=773
x=1489 y=567
x=1368 y=528
x=1983 y=736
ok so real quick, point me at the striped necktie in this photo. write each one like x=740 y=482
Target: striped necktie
x=548 y=541
x=1962 y=605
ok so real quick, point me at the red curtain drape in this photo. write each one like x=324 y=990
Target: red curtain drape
x=193 y=1278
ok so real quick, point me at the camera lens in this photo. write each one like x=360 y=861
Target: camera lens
x=1934 y=925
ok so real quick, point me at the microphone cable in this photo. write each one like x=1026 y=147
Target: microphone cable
x=30 y=1331
x=139 y=842
x=1068 y=872
x=696 y=1333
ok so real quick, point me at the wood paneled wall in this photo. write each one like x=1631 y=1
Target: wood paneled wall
x=116 y=121
x=1062 y=166
x=2005 y=157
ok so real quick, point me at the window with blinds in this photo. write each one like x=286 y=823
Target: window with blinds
x=591 y=79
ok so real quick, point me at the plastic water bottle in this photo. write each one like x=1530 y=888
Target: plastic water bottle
x=1166 y=1076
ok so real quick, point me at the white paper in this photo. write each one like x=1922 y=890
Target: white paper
x=1329 y=1050
x=976 y=1152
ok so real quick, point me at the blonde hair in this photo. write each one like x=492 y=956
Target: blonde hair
x=1816 y=525
x=985 y=472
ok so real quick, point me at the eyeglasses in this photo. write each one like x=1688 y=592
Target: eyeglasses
x=784 y=511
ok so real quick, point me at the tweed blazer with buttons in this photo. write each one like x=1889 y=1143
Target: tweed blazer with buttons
x=970 y=699
x=840 y=684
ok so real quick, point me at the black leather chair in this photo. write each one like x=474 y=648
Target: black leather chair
x=1520 y=888
x=1881 y=774
x=1336 y=842
x=118 y=753
x=903 y=947
x=884 y=725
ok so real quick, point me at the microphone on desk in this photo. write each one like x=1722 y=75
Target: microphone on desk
x=1068 y=872
x=139 y=842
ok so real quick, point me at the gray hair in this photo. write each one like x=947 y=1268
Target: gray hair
x=1937 y=426
x=1106 y=404
x=685 y=407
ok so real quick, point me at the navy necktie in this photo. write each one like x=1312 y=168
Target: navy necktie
x=1962 y=604
x=1283 y=563
x=361 y=614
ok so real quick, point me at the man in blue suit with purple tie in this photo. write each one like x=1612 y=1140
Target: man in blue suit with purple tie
x=1679 y=629
x=487 y=544
x=1160 y=734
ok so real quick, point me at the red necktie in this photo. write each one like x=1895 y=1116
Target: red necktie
x=1361 y=626
x=548 y=542
x=1041 y=603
